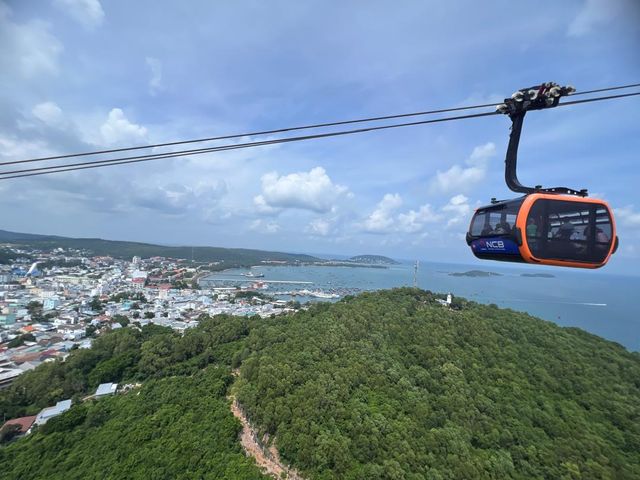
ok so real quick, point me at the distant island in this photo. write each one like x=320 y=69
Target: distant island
x=475 y=273
x=373 y=260
x=538 y=275
x=225 y=257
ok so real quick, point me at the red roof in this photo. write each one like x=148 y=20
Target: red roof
x=24 y=422
x=26 y=357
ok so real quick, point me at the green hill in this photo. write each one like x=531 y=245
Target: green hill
x=373 y=260
x=122 y=249
x=391 y=385
x=385 y=385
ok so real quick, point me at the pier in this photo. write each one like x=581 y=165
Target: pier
x=254 y=280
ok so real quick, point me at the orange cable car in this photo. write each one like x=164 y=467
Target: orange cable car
x=547 y=226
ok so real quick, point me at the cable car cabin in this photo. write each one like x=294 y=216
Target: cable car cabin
x=545 y=229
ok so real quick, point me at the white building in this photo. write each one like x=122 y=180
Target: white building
x=48 y=413
x=105 y=389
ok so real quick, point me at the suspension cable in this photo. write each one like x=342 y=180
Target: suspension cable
x=283 y=130
x=146 y=158
x=251 y=134
x=143 y=158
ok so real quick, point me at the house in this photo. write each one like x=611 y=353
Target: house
x=105 y=389
x=50 y=303
x=48 y=413
x=8 y=375
x=445 y=303
x=25 y=424
x=26 y=366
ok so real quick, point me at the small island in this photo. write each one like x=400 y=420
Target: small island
x=475 y=273
x=373 y=260
x=538 y=275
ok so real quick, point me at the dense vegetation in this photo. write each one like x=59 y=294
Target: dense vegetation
x=126 y=355
x=374 y=259
x=120 y=249
x=386 y=385
x=7 y=256
x=177 y=427
x=389 y=385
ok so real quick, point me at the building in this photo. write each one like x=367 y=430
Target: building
x=8 y=375
x=50 y=303
x=105 y=389
x=48 y=413
x=25 y=424
x=7 y=318
x=447 y=302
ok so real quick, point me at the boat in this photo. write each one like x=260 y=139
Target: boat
x=253 y=275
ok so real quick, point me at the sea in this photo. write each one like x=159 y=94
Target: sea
x=604 y=304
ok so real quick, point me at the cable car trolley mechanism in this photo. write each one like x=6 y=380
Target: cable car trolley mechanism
x=547 y=226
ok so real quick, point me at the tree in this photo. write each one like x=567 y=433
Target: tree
x=34 y=307
x=8 y=432
x=122 y=319
x=19 y=340
x=90 y=330
x=96 y=305
x=149 y=315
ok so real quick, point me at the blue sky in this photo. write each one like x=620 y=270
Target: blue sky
x=82 y=74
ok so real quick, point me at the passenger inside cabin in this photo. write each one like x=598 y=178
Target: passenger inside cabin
x=565 y=231
x=503 y=227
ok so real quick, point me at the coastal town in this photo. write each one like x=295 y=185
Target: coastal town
x=54 y=301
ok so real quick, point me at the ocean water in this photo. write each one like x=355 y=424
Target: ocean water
x=604 y=304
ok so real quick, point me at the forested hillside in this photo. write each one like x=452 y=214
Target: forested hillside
x=122 y=249
x=389 y=385
x=386 y=385
x=177 y=425
x=171 y=428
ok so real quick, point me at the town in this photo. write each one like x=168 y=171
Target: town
x=54 y=301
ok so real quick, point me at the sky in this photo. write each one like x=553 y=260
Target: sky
x=78 y=75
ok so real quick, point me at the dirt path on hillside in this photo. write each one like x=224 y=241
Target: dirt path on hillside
x=268 y=459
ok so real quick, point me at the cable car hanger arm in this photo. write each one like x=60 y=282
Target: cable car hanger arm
x=539 y=97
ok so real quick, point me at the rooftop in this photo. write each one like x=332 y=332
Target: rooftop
x=24 y=422
x=106 y=389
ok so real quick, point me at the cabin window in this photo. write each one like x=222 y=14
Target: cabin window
x=498 y=220
x=574 y=231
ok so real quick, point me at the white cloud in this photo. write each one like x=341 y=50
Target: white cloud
x=12 y=148
x=155 y=67
x=117 y=129
x=459 y=178
x=457 y=210
x=482 y=153
x=381 y=219
x=263 y=226
x=175 y=199
x=627 y=216
x=311 y=190
x=415 y=220
x=88 y=13
x=262 y=206
x=320 y=227
x=595 y=13
x=49 y=113
x=385 y=220
x=28 y=49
